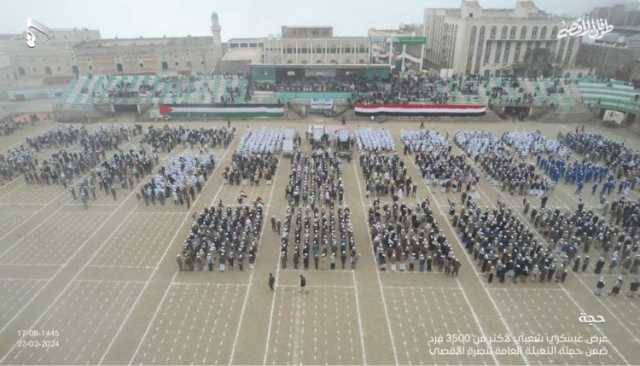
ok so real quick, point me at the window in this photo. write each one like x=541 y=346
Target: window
x=346 y=50
x=319 y=50
x=333 y=50
x=303 y=50
x=523 y=32
x=177 y=63
x=534 y=33
x=119 y=67
x=47 y=70
x=334 y=62
x=512 y=33
x=554 y=32
x=498 y=53
x=362 y=61
x=494 y=30
x=142 y=65
x=289 y=50
x=503 y=34
x=165 y=66
x=543 y=32
x=318 y=61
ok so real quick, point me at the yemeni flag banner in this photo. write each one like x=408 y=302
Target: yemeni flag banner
x=222 y=110
x=409 y=110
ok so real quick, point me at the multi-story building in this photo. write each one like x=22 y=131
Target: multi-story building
x=151 y=55
x=475 y=40
x=314 y=45
x=49 y=59
x=619 y=15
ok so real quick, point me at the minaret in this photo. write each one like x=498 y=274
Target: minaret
x=215 y=29
x=217 y=39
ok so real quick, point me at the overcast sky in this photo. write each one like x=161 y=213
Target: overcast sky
x=239 y=18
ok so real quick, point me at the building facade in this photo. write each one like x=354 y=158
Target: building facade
x=475 y=40
x=48 y=60
x=315 y=45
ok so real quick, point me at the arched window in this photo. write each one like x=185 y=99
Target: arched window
x=534 y=33
x=543 y=32
x=318 y=61
x=47 y=70
x=512 y=33
x=523 y=32
x=362 y=61
x=119 y=68
x=165 y=66
x=554 y=32
x=503 y=34
x=494 y=30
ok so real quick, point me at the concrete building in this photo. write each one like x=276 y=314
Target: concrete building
x=50 y=60
x=151 y=55
x=619 y=15
x=472 y=39
x=315 y=45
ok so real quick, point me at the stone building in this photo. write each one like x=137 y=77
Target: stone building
x=472 y=39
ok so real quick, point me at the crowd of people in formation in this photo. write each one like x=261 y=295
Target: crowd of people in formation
x=167 y=138
x=9 y=126
x=588 y=243
x=309 y=84
x=504 y=160
x=514 y=174
x=408 y=238
x=386 y=175
x=379 y=139
x=437 y=162
x=251 y=168
x=181 y=178
x=475 y=143
x=16 y=161
x=264 y=140
x=315 y=179
x=223 y=236
x=626 y=213
x=317 y=226
x=621 y=159
x=526 y=143
x=324 y=235
x=503 y=247
x=103 y=138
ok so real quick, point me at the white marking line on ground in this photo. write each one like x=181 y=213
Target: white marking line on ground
x=24 y=204
x=608 y=309
x=29 y=265
x=301 y=270
x=275 y=293
x=475 y=271
x=104 y=222
x=525 y=289
x=595 y=325
x=475 y=317
x=187 y=215
x=587 y=287
x=115 y=266
x=91 y=204
x=355 y=283
x=110 y=281
x=420 y=287
x=34 y=228
x=274 y=179
x=9 y=183
x=9 y=279
x=375 y=264
x=318 y=286
x=178 y=283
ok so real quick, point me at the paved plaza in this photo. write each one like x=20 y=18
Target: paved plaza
x=101 y=286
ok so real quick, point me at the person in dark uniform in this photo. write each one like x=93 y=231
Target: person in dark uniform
x=272 y=281
x=303 y=283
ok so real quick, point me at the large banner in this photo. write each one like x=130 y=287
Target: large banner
x=222 y=110
x=321 y=104
x=407 y=109
x=613 y=116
